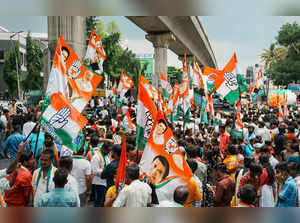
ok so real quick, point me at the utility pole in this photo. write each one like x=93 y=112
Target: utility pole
x=17 y=65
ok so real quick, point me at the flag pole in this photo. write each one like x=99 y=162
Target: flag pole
x=36 y=143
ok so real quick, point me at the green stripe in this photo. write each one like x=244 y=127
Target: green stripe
x=157 y=186
x=232 y=96
x=60 y=135
x=140 y=140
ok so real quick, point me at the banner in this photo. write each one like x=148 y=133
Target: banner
x=162 y=162
x=146 y=111
x=63 y=122
x=95 y=54
x=125 y=84
x=71 y=78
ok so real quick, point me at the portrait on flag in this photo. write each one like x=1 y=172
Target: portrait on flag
x=95 y=54
x=70 y=77
x=162 y=163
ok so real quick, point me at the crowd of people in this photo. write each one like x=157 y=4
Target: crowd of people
x=260 y=168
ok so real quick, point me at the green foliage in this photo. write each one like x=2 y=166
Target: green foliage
x=117 y=58
x=283 y=62
x=34 y=58
x=175 y=75
x=10 y=71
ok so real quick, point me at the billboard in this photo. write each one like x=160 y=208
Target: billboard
x=295 y=88
x=144 y=58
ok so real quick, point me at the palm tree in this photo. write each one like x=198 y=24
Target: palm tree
x=271 y=55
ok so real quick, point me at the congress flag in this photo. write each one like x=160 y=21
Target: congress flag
x=227 y=83
x=125 y=84
x=62 y=121
x=166 y=86
x=162 y=162
x=121 y=172
x=95 y=54
x=71 y=78
x=146 y=111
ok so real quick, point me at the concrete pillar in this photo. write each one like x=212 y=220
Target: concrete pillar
x=161 y=45
x=72 y=29
x=189 y=64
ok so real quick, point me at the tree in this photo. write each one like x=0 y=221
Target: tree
x=283 y=62
x=117 y=58
x=175 y=75
x=9 y=70
x=34 y=66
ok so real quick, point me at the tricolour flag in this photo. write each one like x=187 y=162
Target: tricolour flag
x=162 y=104
x=62 y=121
x=166 y=86
x=125 y=84
x=162 y=162
x=127 y=123
x=229 y=83
x=114 y=90
x=197 y=75
x=259 y=82
x=121 y=172
x=146 y=111
x=70 y=77
x=95 y=54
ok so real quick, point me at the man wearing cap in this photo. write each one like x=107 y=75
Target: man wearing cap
x=49 y=144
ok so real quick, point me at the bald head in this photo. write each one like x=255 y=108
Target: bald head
x=181 y=194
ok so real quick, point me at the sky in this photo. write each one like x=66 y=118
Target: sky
x=245 y=35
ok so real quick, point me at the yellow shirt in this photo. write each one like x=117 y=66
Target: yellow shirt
x=111 y=192
x=194 y=193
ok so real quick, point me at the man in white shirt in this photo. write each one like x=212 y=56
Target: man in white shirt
x=263 y=132
x=82 y=172
x=137 y=194
x=99 y=161
x=29 y=125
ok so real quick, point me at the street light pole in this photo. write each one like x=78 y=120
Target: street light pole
x=17 y=65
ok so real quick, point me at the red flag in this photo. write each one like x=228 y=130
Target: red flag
x=121 y=173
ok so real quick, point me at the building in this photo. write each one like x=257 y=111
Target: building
x=249 y=75
x=8 y=40
x=147 y=58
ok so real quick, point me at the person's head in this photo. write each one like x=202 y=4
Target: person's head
x=27 y=160
x=222 y=129
x=65 y=53
x=17 y=128
x=116 y=151
x=250 y=128
x=293 y=148
x=131 y=153
x=293 y=169
x=281 y=129
x=88 y=75
x=61 y=177
x=192 y=164
x=46 y=158
x=282 y=170
x=66 y=162
x=181 y=194
x=191 y=152
x=232 y=150
x=159 y=169
x=161 y=127
x=106 y=148
x=189 y=141
x=94 y=140
x=248 y=194
x=221 y=169
x=48 y=140
x=255 y=171
x=132 y=172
